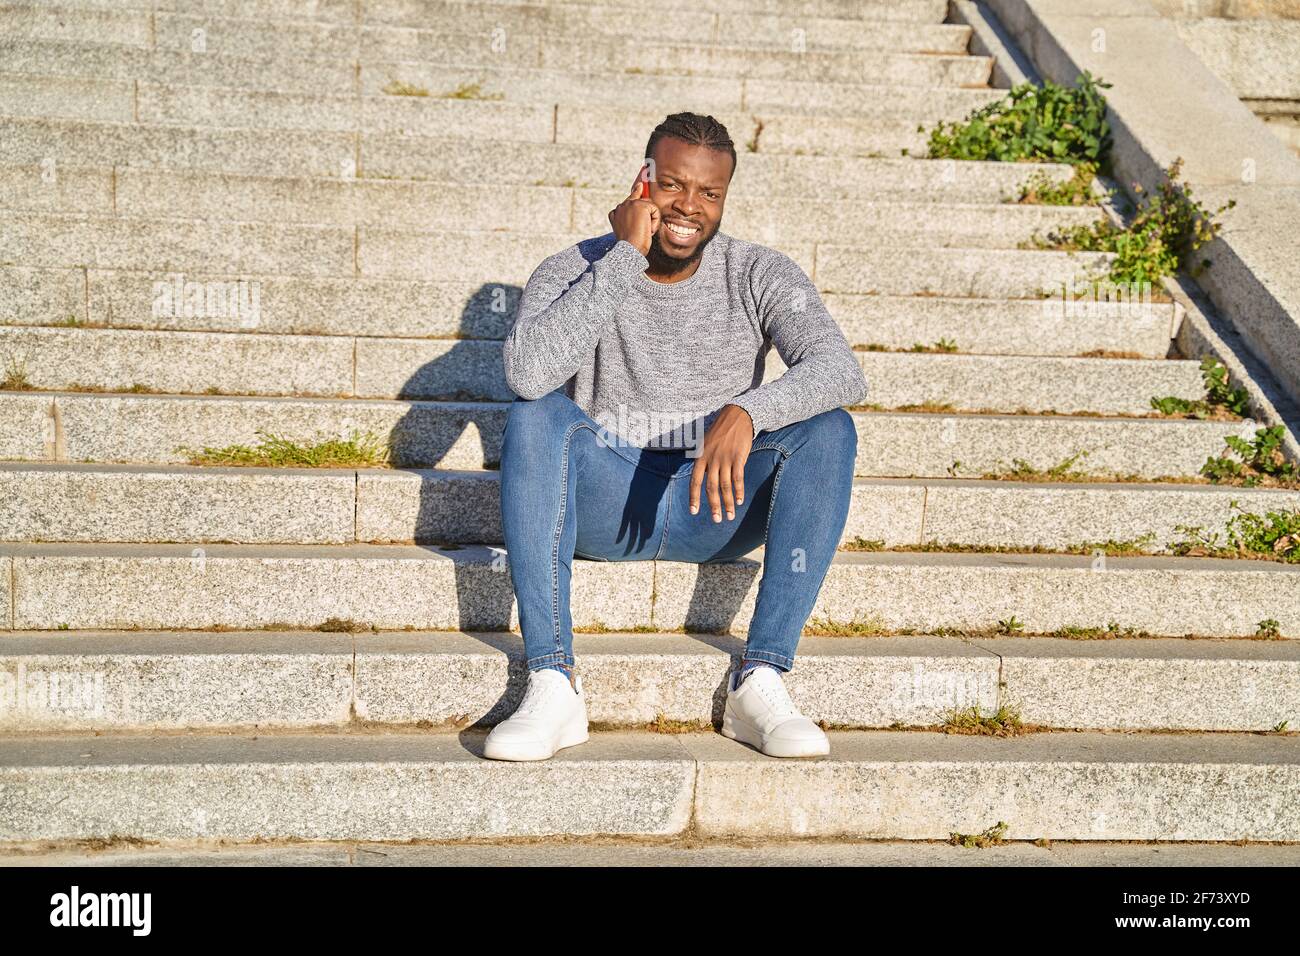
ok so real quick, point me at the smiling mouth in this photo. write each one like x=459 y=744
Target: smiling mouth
x=680 y=234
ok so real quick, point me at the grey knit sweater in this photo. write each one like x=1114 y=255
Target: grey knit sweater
x=655 y=362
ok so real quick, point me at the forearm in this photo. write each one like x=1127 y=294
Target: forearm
x=822 y=370
x=550 y=339
x=829 y=377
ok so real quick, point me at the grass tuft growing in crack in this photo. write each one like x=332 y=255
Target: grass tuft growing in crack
x=400 y=88
x=1022 y=470
x=871 y=626
x=993 y=836
x=277 y=452
x=1112 y=631
x=472 y=91
x=1043 y=190
x=16 y=375
x=1003 y=722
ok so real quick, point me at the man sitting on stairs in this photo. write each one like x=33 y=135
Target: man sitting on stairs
x=638 y=358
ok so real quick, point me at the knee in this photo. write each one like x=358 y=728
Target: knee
x=538 y=416
x=836 y=434
x=829 y=446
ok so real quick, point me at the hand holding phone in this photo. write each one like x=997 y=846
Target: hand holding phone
x=636 y=218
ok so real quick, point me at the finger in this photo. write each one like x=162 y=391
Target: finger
x=697 y=475
x=636 y=183
x=738 y=479
x=724 y=486
x=711 y=482
x=654 y=218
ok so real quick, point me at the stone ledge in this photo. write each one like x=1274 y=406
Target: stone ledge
x=436 y=681
x=874 y=784
x=1164 y=104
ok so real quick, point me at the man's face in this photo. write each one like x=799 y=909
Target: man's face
x=689 y=187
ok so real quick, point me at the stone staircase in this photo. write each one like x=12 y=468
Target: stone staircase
x=234 y=653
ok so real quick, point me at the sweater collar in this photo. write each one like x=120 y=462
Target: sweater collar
x=709 y=260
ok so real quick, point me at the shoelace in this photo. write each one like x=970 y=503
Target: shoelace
x=775 y=693
x=534 y=697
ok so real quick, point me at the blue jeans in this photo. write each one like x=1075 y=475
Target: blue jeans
x=568 y=491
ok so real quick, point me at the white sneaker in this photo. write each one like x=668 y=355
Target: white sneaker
x=552 y=715
x=761 y=714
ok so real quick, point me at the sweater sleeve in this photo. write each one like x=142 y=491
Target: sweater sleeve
x=823 y=372
x=559 y=320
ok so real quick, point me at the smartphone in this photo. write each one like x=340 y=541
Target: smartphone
x=645 y=184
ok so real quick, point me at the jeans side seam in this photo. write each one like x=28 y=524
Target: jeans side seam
x=559 y=532
x=668 y=511
x=771 y=504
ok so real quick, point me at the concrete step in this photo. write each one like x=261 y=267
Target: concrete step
x=631 y=55
x=109 y=242
x=887 y=11
x=111 y=61
x=152 y=193
x=637 y=852
x=383 y=308
x=497 y=257
x=192 y=680
x=257 y=364
x=1007 y=383
x=455 y=37
x=108 y=503
x=918 y=13
x=67 y=97
x=896 y=53
x=30 y=142
x=436 y=587
x=43 y=21
x=873 y=784
x=781 y=132
x=74 y=502
x=378 y=65
x=728 y=26
x=193 y=363
x=442 y=43
x=302 y=32
x=689 y=852
x=1001 y=326
x=506 y=95
x=940 y=59
x=84 y=426
x=973 y=273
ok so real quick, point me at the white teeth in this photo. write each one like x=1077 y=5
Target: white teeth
x=681 y=230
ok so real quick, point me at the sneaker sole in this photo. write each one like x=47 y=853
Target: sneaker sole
x=738 y=730
x=510 y=751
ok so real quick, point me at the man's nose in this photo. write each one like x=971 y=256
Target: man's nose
x=687 y=204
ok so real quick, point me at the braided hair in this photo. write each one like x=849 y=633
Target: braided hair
x=696 y=130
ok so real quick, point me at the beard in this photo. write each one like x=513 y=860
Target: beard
x=664 y=264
